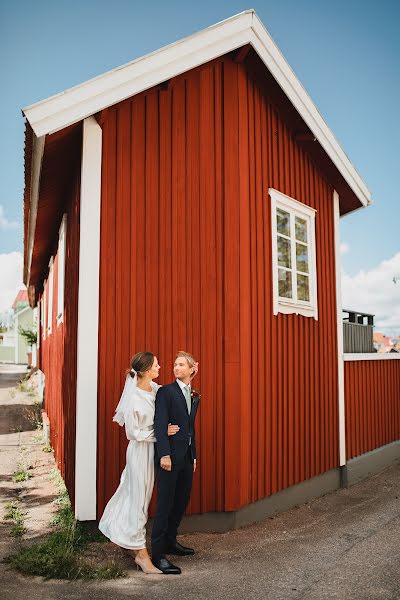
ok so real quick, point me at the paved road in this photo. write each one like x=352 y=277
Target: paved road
x=345 y=545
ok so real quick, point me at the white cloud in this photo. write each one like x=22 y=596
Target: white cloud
x=4 y=222
x=374 y=292
x=11 y=267
x=344 y=248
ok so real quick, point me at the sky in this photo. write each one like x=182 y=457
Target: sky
x=345 y=53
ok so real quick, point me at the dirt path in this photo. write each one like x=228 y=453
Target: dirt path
x=21 y=445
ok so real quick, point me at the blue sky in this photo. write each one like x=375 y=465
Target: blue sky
x=345 y=53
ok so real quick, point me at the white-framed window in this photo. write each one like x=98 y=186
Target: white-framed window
x=293 y=256
x=43 y=311
x=61 y=270
x=38 y=322
x=50 y=298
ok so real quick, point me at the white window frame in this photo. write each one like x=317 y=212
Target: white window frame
x=44 y=313
x=61 y=270
x=50 y=299
x=294 y=208
x=38 y=323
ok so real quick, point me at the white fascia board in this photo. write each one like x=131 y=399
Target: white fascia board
x=280 y=69
x=36 y=167
x=108 y=89
x=125 y=81
x=23 y=310
x=352 y=357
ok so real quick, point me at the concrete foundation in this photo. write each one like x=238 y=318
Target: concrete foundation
x=355 y=470
x=368 y=464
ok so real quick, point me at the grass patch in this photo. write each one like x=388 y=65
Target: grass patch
x=23 y=386
x=59 y=555
x=57 y=558
x=18 y=530
x=17 y=516
x=34 y=414
x=13 y=512
x=21 y=474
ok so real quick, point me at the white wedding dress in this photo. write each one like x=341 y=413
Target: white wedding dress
x=125 y=516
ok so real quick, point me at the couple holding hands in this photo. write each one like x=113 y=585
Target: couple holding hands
x=159 y=424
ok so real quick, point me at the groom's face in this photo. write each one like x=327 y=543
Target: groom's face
x=182 y=369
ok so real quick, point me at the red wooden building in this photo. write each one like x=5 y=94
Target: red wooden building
x=191 y=199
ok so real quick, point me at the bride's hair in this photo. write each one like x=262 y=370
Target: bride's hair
x=141 y=362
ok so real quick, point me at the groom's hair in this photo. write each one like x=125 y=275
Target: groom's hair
x=189 y=357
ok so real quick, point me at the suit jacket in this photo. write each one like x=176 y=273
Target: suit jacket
x=171 y=407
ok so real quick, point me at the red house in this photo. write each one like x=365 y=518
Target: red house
x=191 y=199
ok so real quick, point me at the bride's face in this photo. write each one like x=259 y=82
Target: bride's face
x=154 y=371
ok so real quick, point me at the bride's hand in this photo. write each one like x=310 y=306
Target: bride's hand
x=173 y=429
x=195 y=370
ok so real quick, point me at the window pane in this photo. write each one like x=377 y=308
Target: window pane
x=301 y=229
x=284 y=283
x=302 y=258
x=282 y=222
x=284 y=258
x=303 y=291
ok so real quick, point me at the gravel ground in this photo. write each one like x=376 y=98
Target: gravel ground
x=344 y=545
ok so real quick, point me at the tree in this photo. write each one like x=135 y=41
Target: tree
x=29 y=334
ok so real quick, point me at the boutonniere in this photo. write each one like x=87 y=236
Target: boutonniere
x=195 y=394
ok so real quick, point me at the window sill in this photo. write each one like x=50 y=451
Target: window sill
x=289 y=308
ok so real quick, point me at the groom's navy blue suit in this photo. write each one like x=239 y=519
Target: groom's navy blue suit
x=174 y=486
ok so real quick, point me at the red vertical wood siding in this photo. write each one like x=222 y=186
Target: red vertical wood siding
x=57 y=357
x=372 y=394
x=186 y=264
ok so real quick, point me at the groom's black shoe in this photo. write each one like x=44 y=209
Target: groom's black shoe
x=166 y=567
x=178 y=550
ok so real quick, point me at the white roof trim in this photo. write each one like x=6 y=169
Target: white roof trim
x=371 y=356
x=36 y=167
x=22 y=311
x=112 y=87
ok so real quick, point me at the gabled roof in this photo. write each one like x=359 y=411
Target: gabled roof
x=51 y=118
x=21 y=297
x=112 y=87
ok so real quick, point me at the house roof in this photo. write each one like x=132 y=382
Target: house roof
x=68 y=108
x=381 y=338
x=21 y=297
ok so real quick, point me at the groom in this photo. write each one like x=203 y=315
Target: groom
x=175 y=458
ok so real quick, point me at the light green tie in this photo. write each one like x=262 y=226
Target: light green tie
x=188 y=399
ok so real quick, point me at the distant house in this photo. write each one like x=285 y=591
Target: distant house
x=13 y=346
x=381 y=342
x=191 y=200
x=395 y=341
x=384 y=344
x=21 y=301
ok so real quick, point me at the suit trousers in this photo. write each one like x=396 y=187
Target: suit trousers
x=173 y=494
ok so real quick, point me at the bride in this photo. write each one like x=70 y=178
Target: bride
x=125 y=516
